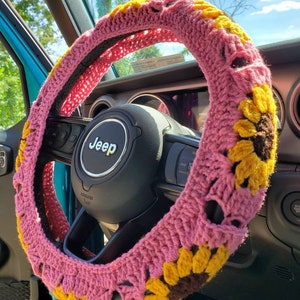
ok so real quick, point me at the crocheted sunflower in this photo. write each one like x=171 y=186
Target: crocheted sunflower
x=192 y=269
x=253 y=154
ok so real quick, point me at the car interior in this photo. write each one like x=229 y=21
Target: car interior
x=265 y=266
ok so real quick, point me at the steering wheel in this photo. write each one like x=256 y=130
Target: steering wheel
x=131 y=166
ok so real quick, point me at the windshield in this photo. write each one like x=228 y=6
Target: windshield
x=266 y=21
x=271 y=21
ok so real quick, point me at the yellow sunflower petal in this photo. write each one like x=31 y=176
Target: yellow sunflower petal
x=217 y=261
x=26 y=131
x=238 y=30
x=157 y=287
x=246 y=168
x=185 y=262
x=245 y=128
x=263 y=99
x=224 y=22
x=171 y=275
x=200 y=259
x=250 y=111
x=240 y=150
x=58 y=62
x=201 y=5
x=272 y=108
x=20 y=235
x=272 y=161
x=211 y=12
x=59 y=294
x=271 y=103
x=271 y=166
x=123 y=7
x=259 y=178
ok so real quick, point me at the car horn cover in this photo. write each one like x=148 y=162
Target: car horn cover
x=235 y=158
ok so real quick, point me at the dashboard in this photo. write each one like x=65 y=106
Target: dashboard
x=188 y=105
x=268 y=263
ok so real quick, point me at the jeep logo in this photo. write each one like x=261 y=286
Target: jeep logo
x=104 y=147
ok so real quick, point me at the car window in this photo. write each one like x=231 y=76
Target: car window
x=12 y=107
x=40 y=21
x=12 y=98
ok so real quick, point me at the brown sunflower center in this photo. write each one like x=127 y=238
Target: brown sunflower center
x=263 y=139
x=187 y=285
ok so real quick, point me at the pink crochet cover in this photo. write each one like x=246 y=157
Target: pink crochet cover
x=235 y=158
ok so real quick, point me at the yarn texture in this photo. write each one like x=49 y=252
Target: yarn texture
x=235 y=158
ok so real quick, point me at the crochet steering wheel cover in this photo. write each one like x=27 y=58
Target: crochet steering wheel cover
x=235 y=158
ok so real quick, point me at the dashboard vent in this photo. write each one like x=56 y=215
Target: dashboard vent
x=294 y=110
x=297 y=108
x=17 y=290
x=284 y=273
x=98 y=106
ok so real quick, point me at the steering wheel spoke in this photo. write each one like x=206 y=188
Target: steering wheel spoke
x=178 y=157
x=61 y=136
